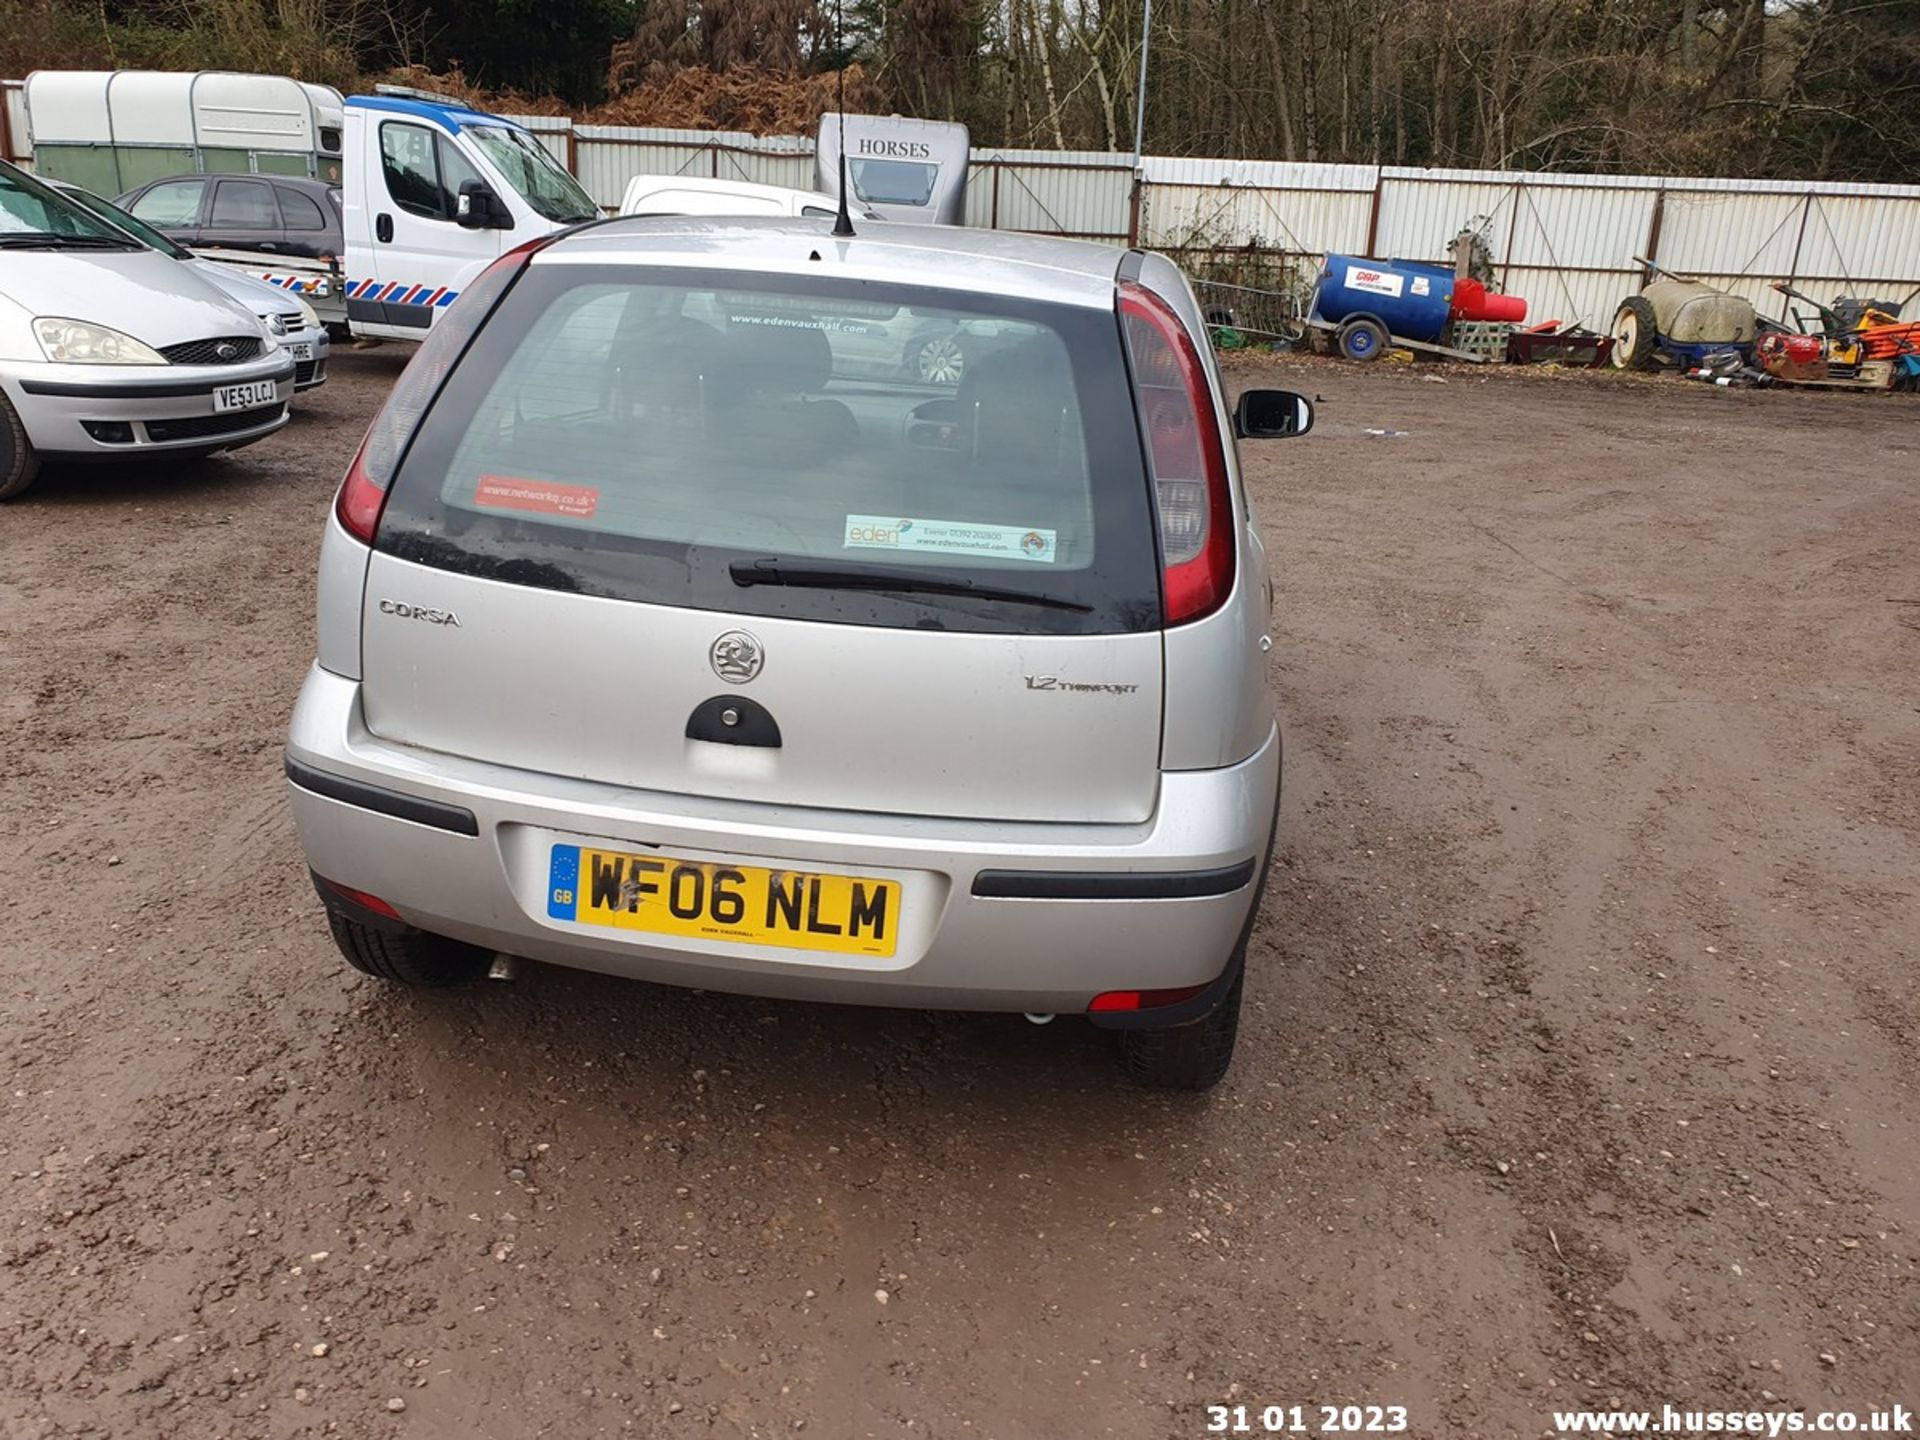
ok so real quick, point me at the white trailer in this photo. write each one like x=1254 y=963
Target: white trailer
x=900 y=168
x=111 y=130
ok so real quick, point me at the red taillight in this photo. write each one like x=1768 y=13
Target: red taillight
x=363 y=494
x=362 y=899
x=360 y=501
x=1189 y=463
x=1142 y=999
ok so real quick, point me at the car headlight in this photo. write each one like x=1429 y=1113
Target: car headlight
x=75 y=342
x=308 y=313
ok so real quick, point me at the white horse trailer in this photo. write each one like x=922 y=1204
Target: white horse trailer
x=899 y=168
x=113 y=130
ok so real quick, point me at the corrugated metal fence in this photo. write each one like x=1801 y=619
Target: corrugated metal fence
x=1565 y=242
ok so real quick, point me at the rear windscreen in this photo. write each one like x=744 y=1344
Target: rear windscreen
x=657 y=436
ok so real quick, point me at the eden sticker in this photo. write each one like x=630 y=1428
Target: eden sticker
x=952 y=537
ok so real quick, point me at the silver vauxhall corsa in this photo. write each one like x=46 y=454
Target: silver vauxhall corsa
x=654 y=640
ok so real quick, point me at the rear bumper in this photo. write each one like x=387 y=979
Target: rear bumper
x=1010 y=917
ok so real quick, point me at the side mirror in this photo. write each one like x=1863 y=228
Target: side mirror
x=478 y=208
x=1271 y=415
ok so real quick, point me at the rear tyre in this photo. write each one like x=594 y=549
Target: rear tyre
x=1633 y=334
x=18 y=462
x=406 y=956
x=1362 y=339
x=1186 y=1057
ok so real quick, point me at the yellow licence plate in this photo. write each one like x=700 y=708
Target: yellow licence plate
x=707 y=900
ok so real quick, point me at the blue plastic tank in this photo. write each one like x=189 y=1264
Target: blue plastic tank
x=1409 y=298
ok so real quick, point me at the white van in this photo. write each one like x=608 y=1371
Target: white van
x=698 y=195
x=436 y=192
x=432 y=191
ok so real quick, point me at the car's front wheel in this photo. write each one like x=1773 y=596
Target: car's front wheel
x=1194 y=1056
x=18 y=462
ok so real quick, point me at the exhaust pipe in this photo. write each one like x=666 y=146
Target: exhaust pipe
x=504 y=967
x=1033 y=1019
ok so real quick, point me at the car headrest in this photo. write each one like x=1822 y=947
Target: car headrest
x=779 y=359
x=666 y=359
x=1014 y=401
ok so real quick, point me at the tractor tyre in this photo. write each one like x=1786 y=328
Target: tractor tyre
x=1634 y=334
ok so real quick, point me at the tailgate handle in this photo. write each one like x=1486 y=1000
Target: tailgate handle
x=733 y=720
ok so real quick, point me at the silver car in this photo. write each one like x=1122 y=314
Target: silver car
x=109 y=351
x=295 y=324
x=652 y=642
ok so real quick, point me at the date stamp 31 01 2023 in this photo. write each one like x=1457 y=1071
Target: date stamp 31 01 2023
x=1240 y=1419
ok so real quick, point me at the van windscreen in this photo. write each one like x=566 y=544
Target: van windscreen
x=669 y=436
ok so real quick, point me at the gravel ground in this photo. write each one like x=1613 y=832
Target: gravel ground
x=1579 y=1064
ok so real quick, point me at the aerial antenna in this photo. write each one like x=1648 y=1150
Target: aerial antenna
x=843 y=222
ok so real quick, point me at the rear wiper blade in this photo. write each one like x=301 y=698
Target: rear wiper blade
x=770 y=571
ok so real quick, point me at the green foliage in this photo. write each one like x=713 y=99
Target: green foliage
x=309 y=39
x=555 y=47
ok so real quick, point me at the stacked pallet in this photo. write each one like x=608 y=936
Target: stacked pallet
x=1484 y=339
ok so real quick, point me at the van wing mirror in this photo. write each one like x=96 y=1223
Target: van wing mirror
x=478 y=208
x=1271 y=415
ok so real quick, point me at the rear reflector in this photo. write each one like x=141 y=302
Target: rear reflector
x=1175 y=403
x=1142 y=999
x=362 y=899
x=363 y=495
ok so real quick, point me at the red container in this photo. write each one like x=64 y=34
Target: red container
x=1472 y=301
x=1793 y=349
